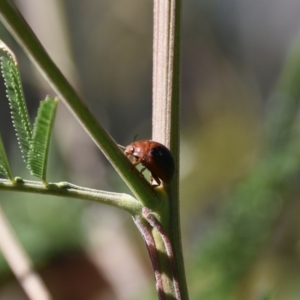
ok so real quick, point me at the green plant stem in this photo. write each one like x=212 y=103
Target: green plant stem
x=19 y=28
x=146 y=231
x=65 y=189
x=166 y=121
x=167 y=246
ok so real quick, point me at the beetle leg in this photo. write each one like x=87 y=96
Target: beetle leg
x=135 y=161
x=158 y=182
x=142 y=170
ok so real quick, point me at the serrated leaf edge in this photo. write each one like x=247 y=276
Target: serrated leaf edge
x=4 y=164
x=39 y=148
x=15 y=95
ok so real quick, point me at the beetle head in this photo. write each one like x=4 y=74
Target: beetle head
x=129 y=150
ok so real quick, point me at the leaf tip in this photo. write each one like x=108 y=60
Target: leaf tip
x=6 y=49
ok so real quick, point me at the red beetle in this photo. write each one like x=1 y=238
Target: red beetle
x=155 y=157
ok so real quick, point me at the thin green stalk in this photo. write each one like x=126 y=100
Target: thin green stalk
x=66 y=189
x=166 y=121
x=19 y=28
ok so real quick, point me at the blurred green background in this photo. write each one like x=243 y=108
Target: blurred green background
x=240 y=149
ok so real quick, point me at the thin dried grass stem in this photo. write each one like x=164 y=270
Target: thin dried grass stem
x=20 y=263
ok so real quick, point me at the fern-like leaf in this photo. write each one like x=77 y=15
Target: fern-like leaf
x=17 y=103
x=39 y=147
x=4 y=164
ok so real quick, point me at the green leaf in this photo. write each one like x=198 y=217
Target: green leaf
x=4 y=164
x=39 y=147
x=17 y=103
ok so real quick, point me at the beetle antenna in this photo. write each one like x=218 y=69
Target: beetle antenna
x=122 y=147
x=135 y=137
